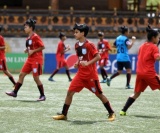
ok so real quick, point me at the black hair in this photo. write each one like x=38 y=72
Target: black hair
x=82 y=28
x=100 y=34
x=31 y=22
x=151 y=33
x=61 y=34
x=124 y=29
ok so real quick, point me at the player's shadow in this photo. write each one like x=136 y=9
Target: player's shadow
x=28 y=101
x=78 y=122
x=147 y=117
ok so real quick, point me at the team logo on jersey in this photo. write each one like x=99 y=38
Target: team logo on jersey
x=34 y=70
x=29 y=42
x=93 y=89
x=84 y=51
x=102 y=45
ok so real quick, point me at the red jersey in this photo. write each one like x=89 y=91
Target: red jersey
x=2 y=51
x=33 y=43
x=86 y=52
x=146 y=59
x=103 y=48
x=61 y=47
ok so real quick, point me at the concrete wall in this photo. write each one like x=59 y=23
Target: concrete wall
x=17 y=45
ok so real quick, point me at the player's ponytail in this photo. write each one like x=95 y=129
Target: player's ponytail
x=124 y=29
x=151 y=33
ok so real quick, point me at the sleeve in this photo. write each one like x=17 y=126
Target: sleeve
x=108 y=45
x=38 y=41
x=93 y=49
x=127 y=42
x=2 y=41
x=156 y=53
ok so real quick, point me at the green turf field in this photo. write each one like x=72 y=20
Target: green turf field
x=86 y=115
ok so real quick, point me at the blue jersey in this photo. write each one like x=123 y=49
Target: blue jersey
x=122 y=50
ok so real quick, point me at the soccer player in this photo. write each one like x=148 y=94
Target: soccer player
x=146 y=74
x=103 y=48
x=87 y=75
x=34 y=47
x=61 y=62
x=122 y=44
x=3 y=65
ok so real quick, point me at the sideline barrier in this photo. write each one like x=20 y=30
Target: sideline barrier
x=50 y=63
x=15 y=61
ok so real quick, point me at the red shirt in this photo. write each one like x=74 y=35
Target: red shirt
x=86 y=52
x=60 y=49
x=103 y=48
x=35 y=42
x=147 y=58
x=2 y=51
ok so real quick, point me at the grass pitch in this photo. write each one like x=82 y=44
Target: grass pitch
x=86 y=114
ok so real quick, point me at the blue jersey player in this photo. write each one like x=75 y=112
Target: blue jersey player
x=123 y=44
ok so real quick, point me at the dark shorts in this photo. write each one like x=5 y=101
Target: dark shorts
x=121 y=65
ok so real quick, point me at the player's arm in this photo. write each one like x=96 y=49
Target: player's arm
x=95 y=59
x=108 y=47
x=66 y=49
x=2 y=47
x=157 y=56
x=130 y=43
x=76 y=64
x=36 y=50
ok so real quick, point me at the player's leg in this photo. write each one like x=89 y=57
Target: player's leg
x=17 y=85
x=68 y=101
x=94 y=86
x=37 y=71
x=67 y=72
x=129 y=102
x=26 y=69
x=5 y=71
x=108 y=107
x=140 y=86
x=120 y=68
x=9 y=76
x=127 y=66
x=104 y=74
x=40 y=88
x=59 y=65
x=75 y=86
x=102 y=70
